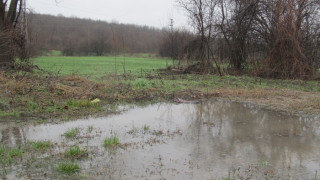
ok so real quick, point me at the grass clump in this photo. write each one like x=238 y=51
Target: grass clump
x=41 y=145
x=75 y=152
x=14 y=114
x=145 y=128
x=8 y=155
x=111 y=141
x=72 y=133
x=90 y=129
x=69 y=168
x=72 y=103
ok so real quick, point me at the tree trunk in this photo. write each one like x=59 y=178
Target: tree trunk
x=7 y=31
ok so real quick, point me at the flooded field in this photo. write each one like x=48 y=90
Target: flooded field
x=209 y=140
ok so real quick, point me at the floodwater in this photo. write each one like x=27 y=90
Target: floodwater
x=209 y=140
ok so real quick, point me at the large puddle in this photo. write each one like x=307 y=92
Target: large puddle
x=209 y=140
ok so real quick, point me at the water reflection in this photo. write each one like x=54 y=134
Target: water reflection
x=217 y=136
x=243 y=134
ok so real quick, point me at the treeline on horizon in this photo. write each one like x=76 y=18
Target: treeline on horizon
x=82 y=37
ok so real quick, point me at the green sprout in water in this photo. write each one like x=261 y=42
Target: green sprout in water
x=8 y=155
x=72 y=133
x=69 y=168
x=75 y=152
x=41 y=145
x=145 y=128
x=90 y=129
x=111 y=141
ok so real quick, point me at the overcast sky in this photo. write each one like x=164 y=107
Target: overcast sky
x=154 y=13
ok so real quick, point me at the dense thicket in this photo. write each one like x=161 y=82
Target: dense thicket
x=280 y=38
x=76 y=36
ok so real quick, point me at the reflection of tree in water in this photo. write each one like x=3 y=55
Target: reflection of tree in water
x=240 y=133
x=12 y=135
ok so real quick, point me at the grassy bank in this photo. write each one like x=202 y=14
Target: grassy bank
x=72 y=93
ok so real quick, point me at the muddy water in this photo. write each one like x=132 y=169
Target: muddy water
x=209 y=140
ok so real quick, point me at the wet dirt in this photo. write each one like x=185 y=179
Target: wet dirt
x=208 y=140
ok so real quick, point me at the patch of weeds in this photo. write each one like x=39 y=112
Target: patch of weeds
x=41 y=145
x=75 y=152
x=51 y=109
x=15 y=153
x=141 y=84
x=14 y=113
x=69 y=168
x=111 y=141
x=72 y=133
x=7 y=155
x=73 y=103
x=33 y=106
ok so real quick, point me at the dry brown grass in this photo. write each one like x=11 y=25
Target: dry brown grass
x=292 y=100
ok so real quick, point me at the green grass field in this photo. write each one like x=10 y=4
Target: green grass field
x=98 y=66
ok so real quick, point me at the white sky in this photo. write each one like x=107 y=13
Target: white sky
x=154 y=13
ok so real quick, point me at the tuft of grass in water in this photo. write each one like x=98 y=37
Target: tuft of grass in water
x=75 y=152
x=145 y=128
x=72 y=133
x=90 y=129
x=41 y=145
x=69 y=168
x=111 y=141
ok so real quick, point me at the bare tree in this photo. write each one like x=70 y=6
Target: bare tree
x=282 y=36
x=289 y=29
x=236 y=21
x=202 y=16
x=9 y=13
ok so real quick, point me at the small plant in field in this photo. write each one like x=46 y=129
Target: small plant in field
x=69 y=168
x=111 y=142
x=141 y=84
x=75 y=152
x=72 y=133
x=145 y=128
x=41 y=145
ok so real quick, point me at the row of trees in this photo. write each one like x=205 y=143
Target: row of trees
x=76 y=36
x=280 y=37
